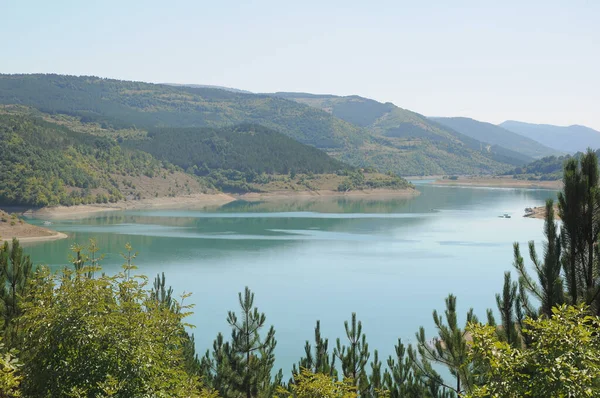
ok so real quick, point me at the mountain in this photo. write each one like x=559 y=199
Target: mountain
x=124 y=104
x=547 y=168
x=567 y=139
x=233 y=90
x=496 y=135
x=43 y=163
x=361 y=132
x=243 y=147
x=414 y=134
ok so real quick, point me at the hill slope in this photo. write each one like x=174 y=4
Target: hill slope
x=490 y=133
x=43 y=164
x=244 y=148
x=123 y=104
x=568 y=139
x=380 y=135
x=422 y=142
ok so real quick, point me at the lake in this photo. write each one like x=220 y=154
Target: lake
x=391 y=261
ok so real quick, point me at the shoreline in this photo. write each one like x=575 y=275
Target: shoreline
x=35 y=239
x=499 y=182
x=199 y=201
x=283 y=195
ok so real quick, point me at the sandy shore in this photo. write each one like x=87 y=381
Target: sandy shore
x=499 y=182
x=540 y=212
x=374 y=193
x=81 y=211
x=199 y=201
x=12 y=227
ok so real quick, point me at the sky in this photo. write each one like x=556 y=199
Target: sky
x=533 y=61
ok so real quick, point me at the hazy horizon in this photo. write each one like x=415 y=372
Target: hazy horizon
x=534 y=63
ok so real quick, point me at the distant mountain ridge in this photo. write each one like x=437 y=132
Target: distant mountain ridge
x=360 y=132
x=231 y=89
x=572 y=139
x=497 y=135
x=406 y=129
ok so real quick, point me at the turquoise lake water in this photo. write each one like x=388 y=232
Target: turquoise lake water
x=391 y=261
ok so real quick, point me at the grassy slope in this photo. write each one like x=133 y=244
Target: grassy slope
x=497 y=135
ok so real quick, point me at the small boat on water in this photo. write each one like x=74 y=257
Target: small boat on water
x=505 y=215
x=47 y=223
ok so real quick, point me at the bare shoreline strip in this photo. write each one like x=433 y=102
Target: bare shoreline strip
x=491 y=182
x=30 y=239
x=199 y=201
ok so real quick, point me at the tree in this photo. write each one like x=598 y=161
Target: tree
x=449 y=349
x=319 y=361
x=399 y=378
x=354 y=357
x=242 y=367
x=508 y=304
x=579 y=207
x=104 y=336
x=549 y=289
x=317 y=385
x=562 y=360
x=15 y=272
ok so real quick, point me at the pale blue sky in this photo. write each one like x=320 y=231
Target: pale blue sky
x=535 y=61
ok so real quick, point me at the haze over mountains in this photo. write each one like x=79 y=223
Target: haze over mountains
x=493 y=134
x=563 y=138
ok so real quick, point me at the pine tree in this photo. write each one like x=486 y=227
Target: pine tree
x=355 y=356
x=570 y=210
x=449 y=349
x=319 y=361
x=506 y=305
x=16 y=271
x=399 y=378
x=548 y=290
x=250 y=357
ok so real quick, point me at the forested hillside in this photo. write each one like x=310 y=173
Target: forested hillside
x=548 y=168
x=123 y=104
x=244 y=147
x=360 y=132
x=42 y=163
x=487 y=132
x=413 y=143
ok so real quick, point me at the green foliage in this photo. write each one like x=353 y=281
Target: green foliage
x=104 y=336
x=244 y=147
x=242 y=367
x=561 y=361
x=318 y=385
x=318 y=361
x=449 y=348
x=46 y=164
x=123 y=104
x=15 y=272
x=549 y=168
x=355 y=356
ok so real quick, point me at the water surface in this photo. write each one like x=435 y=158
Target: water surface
x=392 y=261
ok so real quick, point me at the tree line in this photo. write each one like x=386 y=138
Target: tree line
x=78 y=332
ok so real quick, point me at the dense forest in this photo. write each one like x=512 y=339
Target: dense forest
x=43 y=163
x=548 y=168
x=361 y=132
x=79 y=332
x=243 y=147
